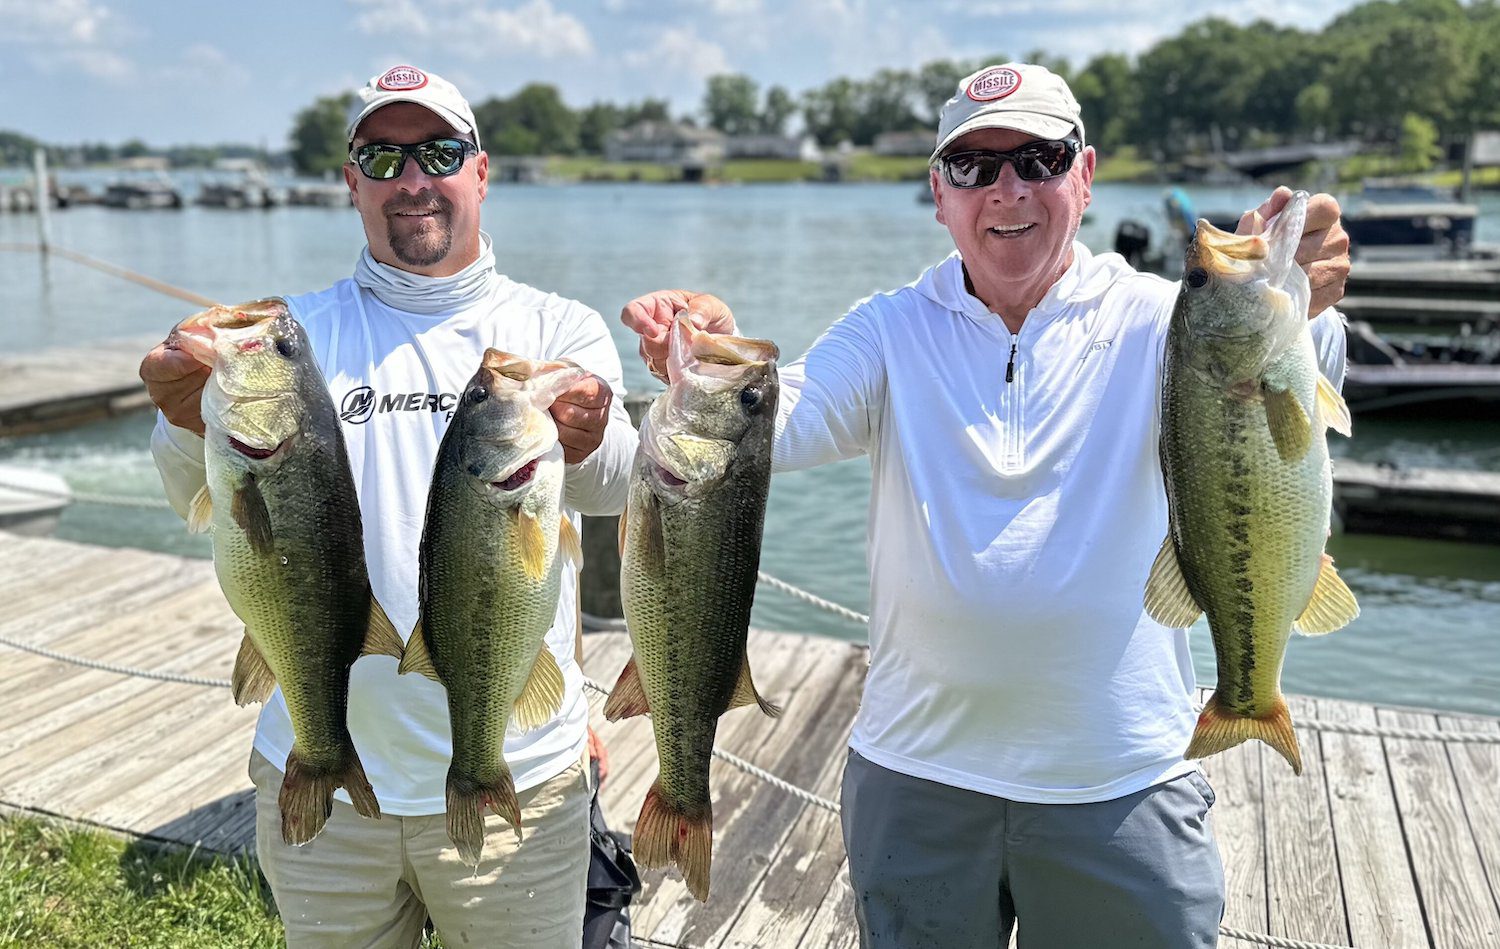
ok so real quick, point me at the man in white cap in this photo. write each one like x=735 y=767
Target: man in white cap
x=397 y=342
x=1018 y=752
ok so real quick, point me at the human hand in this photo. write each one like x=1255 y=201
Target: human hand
x=581 y=412
x=650 y=316
x=598 y=753
x=174 y=380
x=1323 y=251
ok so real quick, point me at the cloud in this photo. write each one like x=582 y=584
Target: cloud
x=203 y=64
x=534 y=27
x=680 y=52
x=69 y=23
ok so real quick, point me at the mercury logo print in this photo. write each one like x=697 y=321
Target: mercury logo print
x=360 y=405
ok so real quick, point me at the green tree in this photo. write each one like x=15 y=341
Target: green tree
x=1419 y=144
x=937 y=82
x=1107 y=99
x=16 y=149
x=730 y=104
x=778 y=109
x=831 y=111
x=594 y=125
x=318 y=143
x=135 y=148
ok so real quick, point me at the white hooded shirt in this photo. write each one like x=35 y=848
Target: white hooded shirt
x=1012 y=525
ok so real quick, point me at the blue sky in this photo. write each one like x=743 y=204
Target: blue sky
x=205 y=72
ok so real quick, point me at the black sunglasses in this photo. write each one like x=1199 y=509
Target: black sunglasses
x=439 y=158
x=1036 y=161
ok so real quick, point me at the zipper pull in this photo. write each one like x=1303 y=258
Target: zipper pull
x=1010 y=367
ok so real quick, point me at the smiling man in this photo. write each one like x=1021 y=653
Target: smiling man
x=1017 y=758
x=397 y=342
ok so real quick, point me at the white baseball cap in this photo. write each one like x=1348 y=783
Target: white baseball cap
x=410 y=84
x=1021 y=96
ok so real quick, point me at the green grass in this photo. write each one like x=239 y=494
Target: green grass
x=887 y=168
x=1125 y=164
x=595 y=168
x=767 y=169
x=63 y=886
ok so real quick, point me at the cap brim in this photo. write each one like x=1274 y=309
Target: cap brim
x=1032 y=123
x=453 y=119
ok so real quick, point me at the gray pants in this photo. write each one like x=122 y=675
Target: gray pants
x=934 y=865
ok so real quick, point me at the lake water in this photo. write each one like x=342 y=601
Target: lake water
x=790 y=259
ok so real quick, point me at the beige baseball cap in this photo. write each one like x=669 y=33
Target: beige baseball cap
x=410 y=84
x=1021 y=96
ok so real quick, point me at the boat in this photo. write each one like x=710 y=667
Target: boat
x=1460 y=374
x=1394 y=219
x=31 y=501
x=143 y=193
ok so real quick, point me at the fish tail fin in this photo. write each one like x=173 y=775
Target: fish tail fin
x=467 y=798
x=306 y=797
x=1220 y=729
x=665 y=832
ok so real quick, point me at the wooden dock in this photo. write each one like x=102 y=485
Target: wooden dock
x=1426 y=280
x=1393 y=312
x=1381 y=843
x=1431 y=388
x=57 y=388
x=1443 y=504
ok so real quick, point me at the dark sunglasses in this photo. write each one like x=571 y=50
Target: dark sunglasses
x=1037 y=161
x=439 y=158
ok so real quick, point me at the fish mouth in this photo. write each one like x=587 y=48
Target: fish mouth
x=250 y=451
x=669 y=478
x=519 y=478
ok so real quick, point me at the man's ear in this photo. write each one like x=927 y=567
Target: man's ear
x=937 y=194
x=351 y=178
x=482 y=167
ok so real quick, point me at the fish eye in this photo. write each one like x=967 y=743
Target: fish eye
x=751 y=398
x=1196 y=278
x=478 y=394
x=287 y=348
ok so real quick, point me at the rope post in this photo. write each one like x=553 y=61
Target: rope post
x=43 y=202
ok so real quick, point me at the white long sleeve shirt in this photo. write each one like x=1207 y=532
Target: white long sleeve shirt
x=1011 y=527
x=395 y=376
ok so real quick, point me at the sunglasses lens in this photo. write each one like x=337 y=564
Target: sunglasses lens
x=381 y=161
x=1043 y=160
x=971 y=169
x=441 y=157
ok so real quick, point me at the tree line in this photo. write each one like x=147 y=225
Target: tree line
x=1387 y=72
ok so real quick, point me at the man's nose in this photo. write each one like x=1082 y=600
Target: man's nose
x=413 y=178
x=1009 y=187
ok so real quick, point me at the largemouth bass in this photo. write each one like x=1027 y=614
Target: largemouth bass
x=1244 y=454
x=491 y=566
x=690 y=550
x=288 y=545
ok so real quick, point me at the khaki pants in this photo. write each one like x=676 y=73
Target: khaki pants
x=370 y=884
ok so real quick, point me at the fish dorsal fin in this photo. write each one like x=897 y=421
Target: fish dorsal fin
x=252 y=679
x=416 y=658
x=1332 y=605
x=200 y=511
x=533 y=544
x=569 y=544
x=381 y=638
x=1332 y=407
x=745 y=693
x=1291 y=429
x=628 y=698
x=543 y=694
x=1168 y=600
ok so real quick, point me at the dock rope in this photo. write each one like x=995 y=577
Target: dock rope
x=151 y=283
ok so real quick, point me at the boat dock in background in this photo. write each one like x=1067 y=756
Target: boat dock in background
x=1417 y=502
x=58 y=388
x=1387 y=839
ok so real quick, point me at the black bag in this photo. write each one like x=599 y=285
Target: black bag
x=613 y=882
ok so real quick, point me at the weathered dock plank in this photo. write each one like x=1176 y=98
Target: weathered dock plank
x=1380 y=896
x=1398 y=311
x=1322 y=857
x=1457 y=904
x=56 y=388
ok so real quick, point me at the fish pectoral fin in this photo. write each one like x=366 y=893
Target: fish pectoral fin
x=533 y=544
x=745 y=693
x=569 y=544
x=252 y=679
x=1291 y=429
x=543 y=694
x=416 y=658
x=1332 y=605
x=381 y=638
x=200 y=511
x=624 y=520
x=1168 y=600
x=249 y=511
x=1332 y=408
x=628 y=698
